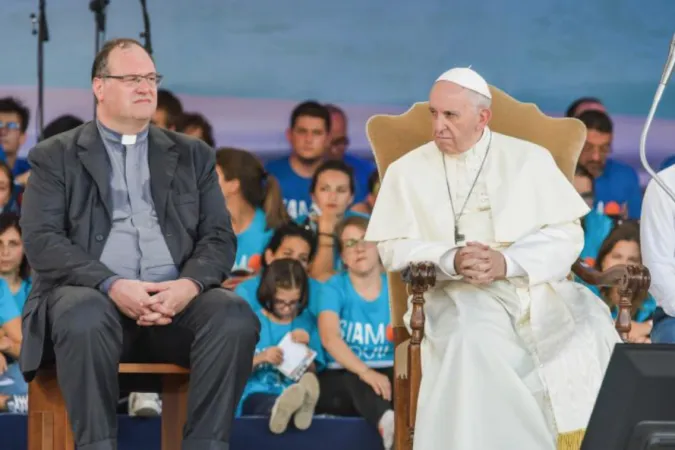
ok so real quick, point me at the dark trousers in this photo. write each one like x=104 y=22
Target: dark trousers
x=259 y=404
x=215 y=336
x=344 y=394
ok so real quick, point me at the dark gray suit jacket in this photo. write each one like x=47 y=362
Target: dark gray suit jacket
x=67 y=216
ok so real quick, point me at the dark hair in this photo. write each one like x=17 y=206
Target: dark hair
x=288 y=230
x=373 y=181
x=168 y=102
x=334 y=164
x=14 y=105
x=258 y=188
x=626 y=231
x=60 y=125
x=285 y=273
x=357 y=221
x=596 y=120
x=196 y=120
x=311 y=108
x=572 y=109
x=11 y=220
x=100 y=65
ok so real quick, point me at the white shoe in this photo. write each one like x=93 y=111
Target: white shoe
x=143 y=404
x=303 y=416
x=285 y=406
x=386 y=429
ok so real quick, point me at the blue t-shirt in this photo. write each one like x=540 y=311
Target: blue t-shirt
x=363 y=323
x=597 y=227
x=337 y=260
x=265 y=377
x=294 y=188
x=363 y=168
x=619 y=183
x=248 y=290
x=21 y=165
x=251 y=244
x=11 y=305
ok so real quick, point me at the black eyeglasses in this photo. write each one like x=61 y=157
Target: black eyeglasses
x=154 y=79
x=293 y=304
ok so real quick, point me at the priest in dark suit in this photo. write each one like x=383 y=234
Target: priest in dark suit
x=127 y=232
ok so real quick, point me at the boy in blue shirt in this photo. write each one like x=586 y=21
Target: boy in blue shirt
x=14 y=118
x=308 y=137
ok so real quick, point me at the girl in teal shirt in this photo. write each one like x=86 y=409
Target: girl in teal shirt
x=622 y=246
x=288 y=241
x=332 y=190
x=353 y=321
x=15 y=285
x=253 y=199
x=283 y=296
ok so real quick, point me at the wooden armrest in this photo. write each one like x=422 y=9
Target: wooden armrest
x=632 y=282
x=420 y=277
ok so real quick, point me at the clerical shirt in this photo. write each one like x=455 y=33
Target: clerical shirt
x=135 y=248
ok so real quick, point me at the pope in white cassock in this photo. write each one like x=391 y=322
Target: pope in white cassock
x=514 y=353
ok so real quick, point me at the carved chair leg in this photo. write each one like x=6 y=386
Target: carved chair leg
x=174 y=410
x=48 y=424
x=402 y=431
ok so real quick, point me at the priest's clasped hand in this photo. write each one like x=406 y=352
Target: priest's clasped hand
x=152 y=303
x=480 y=264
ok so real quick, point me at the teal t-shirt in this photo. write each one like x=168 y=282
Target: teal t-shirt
x=266 y=378
x=11 y=305
x=597 y=227
x=251 y=244
x=248 y=290
x=363 y=323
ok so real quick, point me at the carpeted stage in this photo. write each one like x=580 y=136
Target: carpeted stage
x=249 y=434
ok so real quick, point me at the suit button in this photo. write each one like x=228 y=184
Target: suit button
x=99 y=237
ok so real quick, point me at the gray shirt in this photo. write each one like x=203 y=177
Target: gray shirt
x=135 y=248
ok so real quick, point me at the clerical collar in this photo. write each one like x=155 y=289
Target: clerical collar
x=118 y=138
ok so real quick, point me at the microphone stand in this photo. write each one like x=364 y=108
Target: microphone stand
x=40 y=29
x=665 y=77
x=146 y=25
x=98 y=7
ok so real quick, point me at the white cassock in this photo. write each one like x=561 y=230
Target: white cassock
x=657 y=240
x=516 y=364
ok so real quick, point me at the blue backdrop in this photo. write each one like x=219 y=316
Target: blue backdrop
x=366 y=52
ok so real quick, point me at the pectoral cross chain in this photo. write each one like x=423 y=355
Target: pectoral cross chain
x=459 y=237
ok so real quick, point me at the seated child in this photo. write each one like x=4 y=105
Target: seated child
x=283 y=295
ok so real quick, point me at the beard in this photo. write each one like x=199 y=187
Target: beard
x=594 y=168
x=308 y=161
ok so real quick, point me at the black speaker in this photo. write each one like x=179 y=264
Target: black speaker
x=635 y=408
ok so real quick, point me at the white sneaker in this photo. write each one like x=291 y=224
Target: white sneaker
x=285 y=406
x=142 y=404
x=17 y=404
x=303 y=416
x=386 y=429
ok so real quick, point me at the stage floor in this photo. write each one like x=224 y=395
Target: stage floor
x=326 y=433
